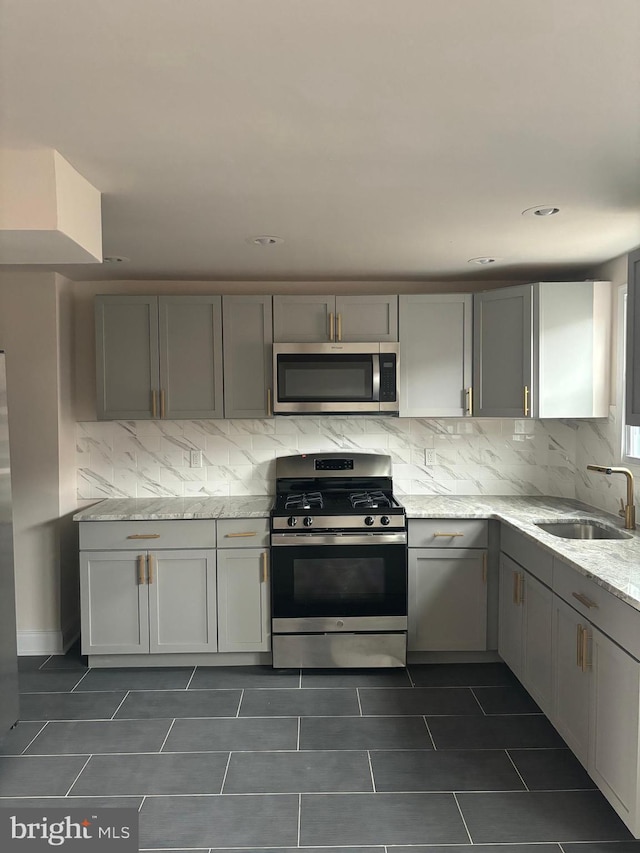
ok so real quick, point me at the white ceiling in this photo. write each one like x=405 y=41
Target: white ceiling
x=382 y=139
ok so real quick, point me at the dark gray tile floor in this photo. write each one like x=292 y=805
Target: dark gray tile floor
x=434 y=758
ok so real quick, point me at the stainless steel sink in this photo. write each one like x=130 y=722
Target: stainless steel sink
x=582 y=530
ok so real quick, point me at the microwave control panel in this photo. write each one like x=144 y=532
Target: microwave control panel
x=387 y=377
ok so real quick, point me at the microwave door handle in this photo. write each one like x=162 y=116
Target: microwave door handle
x=376 y=377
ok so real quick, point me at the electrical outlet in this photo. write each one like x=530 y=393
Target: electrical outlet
x=196 y=459
x=429 y=457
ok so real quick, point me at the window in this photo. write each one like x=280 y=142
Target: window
x=630 y=438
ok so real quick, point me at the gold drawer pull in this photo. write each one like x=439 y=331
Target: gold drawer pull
x=154 y=403
x=526 y=401
x=469 y=393
x=448 y=535
x=237 y=535
x=143 y=536
x=332 y=333
x=140 y=562
x=339 y=327
x=150 y=563
x=584 y=660
x=584 y=600
x=265 y=567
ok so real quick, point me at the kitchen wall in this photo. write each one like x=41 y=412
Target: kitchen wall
x=480 y=456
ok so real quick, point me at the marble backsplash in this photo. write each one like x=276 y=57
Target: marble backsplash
x=479 y=456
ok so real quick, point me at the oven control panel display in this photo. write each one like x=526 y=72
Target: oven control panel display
x=334 y=464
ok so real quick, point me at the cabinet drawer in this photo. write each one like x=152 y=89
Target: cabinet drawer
x=619 y=620
x=447 y=533
x=530 y=556
x=147 y=535
x=243 y=533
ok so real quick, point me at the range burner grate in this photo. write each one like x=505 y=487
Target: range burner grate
x=305 y=500
x=369 y=499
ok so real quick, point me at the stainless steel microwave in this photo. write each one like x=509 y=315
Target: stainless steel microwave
x=335 y=378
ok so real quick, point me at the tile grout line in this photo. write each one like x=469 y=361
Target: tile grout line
x=78 y=776
x=373 y=781
x=299 y=816
x=526 y=787
x=411 y=681
x=78 y=683
x=191 y=679
x=462 y=816
x=433 y=743
x=226 y=770
x=478 y=701
x=34 y=737
x=300 y=681
x=44 y=663
x=298 y=739
x=144 y=797
x=359 y=703
x=240 y=702
x=113 y=716
x=166 y=738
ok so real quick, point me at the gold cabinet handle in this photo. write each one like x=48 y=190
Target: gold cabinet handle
x=339 y=327
x=237 y=535
x=140 y=564
x=162 y=403
x=269 y=406
x=143 y=536
x=484 y=567
x=469 y=393
x=584 y=600
x=150 y=560
x=448 y=535
x=265 y=567
x=331 y=326
x=154 y=403
x=526 y=401
x=584 y=660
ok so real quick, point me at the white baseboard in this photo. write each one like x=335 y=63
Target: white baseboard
x=40 y=643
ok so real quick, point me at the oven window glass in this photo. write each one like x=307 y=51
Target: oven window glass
x=329 y=580
x=332 y=378
x=338 y=580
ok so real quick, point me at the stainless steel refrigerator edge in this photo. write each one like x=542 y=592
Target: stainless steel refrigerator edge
x=9 y=702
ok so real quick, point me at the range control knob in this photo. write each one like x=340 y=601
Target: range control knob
x=292 y=521
x=368 y=520
x=385 y=520
x=308 y=521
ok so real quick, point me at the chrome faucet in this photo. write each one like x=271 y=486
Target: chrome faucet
x=628 y=511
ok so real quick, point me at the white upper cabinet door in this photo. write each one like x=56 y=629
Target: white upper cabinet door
x=503 y=339
x=632 y=410
x=127 y=366
x=435 y=355
x=248 y=369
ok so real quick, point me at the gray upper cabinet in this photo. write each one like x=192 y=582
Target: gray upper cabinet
x=435 y=355
x=158 y=357
x=632 y=407
x=502 y=337
x=247 y=349
x=190 y=357
x=318 y=319
x=542 y=350
x=127 y=358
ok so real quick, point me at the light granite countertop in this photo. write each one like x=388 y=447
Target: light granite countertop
x=613 y=564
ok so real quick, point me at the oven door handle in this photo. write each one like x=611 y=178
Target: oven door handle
x=300 y=539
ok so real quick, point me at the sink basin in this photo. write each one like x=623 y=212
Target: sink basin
x=582 y=530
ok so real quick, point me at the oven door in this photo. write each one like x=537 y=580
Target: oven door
x=340 y=582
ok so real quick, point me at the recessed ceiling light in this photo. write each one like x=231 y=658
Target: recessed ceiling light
x=541 y=210
x=483 y=261
x=114 y=259
x=265 y=240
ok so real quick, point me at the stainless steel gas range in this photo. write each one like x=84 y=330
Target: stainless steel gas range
x=338 y=563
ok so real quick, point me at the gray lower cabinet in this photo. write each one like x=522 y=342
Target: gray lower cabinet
x=435 y=355
x=524 y=635
x=158 y=356
x=247 y=348
x=298 y=319
x=244 y=618
x=447 y=585
x=148 y=601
